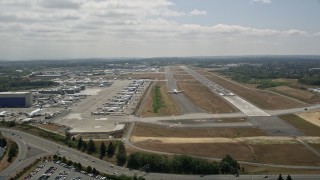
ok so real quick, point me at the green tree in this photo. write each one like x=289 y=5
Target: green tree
x=91 y=147
x=69 y=163
x=3 y=142
x=121 y=155
x=180 y=164
x=80 y=143
x=11 y=124
x=229 y=166
x=79 y=166
x=89 y=169
x=103 y=150
x=55 y=157
x=13 y=151
x=68 y=135
x=288 y=177
x=94 y=171
x=280 y=177
x=111 y=149
x=84 y=147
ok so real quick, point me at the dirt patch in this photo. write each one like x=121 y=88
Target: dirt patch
x=268 y=140
x=55 y=128
x=170 y=106
x=312 y=117
x=248 y=140
x=149 y=130
x=176 y=69
x=302 y=125
x=184 y=77
x=274 y=172
x=270 y=153
x=315 y=146
x=189 y=140
x=263 y=99
x=202 y=149
x=52 y=127
x=159 y=76
x=181 y=140
x=290 y=154
x=204 y=98
x=299 y=94
x=161 y=69
x=214 y=120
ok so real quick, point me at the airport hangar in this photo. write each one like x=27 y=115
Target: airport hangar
x=15 y=99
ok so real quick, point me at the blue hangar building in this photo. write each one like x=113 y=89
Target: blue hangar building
x=15 y=99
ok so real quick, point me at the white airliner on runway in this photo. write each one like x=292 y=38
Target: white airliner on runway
x=175 y=91
x=175 y=125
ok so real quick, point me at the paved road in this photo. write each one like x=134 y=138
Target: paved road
x=294 y=110
x=21 y=155
x=52 y=147
x=100 y=165
x=275 y=126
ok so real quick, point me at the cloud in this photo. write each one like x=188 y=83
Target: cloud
x=124 y=27
x=59 y=4
x=115 y=18
x=261 y=1
x=197 y=12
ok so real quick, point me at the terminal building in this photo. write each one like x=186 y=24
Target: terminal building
x=15 y=99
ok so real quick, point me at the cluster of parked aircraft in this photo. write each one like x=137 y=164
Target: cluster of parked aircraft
x=117 y=103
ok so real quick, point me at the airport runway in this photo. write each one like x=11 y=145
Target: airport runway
x=240 y=103
x=186 y=106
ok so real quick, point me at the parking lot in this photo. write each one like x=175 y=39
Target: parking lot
x=51 y=170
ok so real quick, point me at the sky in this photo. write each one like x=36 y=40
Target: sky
x=67 y=29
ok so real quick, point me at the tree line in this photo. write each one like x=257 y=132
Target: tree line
x=13 y=151
x=13 y=84
x=114 y=147
x=263 y=72
x=181 y=164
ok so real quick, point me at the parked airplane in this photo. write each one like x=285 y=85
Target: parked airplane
x=175 y=91
x=36 y=112
x=3 y=114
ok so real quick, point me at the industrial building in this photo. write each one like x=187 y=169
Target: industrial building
x=15 y=99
